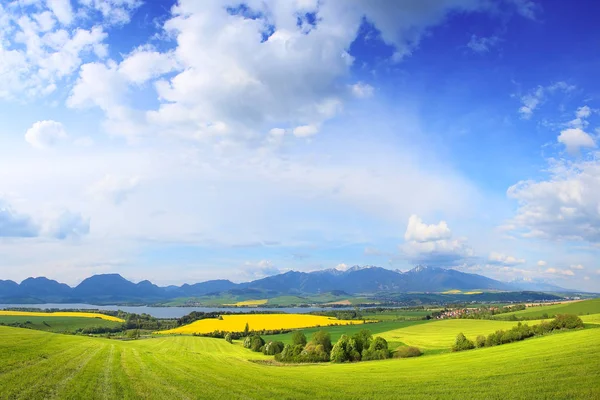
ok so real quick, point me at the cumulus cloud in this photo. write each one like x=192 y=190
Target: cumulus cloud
x=42 y=45
x=257 y=270
x=503 y=259
x=342 y=267
x=420 y=232
x=433 y=244
x=531 y=100
x=555 y=271
x=114 y=188
x=44 y=134
x=574 y=139
x=242 y=71
x=541 y=263
x=577 y=266
x=482 y=44
x=562 y=206
x=62 y=10
x=67 y=225
x=13 y=224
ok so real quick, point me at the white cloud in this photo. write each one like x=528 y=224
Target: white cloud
x=45 y=134
x=541 y=263
x=258 y=270
x=13 y=224
x=362 y=90
x=577 y=266
x=145 y=63
x=114 y=188
x=530 y=101
x=305 y=131
x=240 y=77
x=555 y=271
x=62 y=10
x=67 y=225
x=503 y=259
x=526 y=8
x=564 y=205
x=113 y=11
x=482 y=44
x=583 y=112
x=342 y=267
x=575 y=139
x=433 y=244
x=420 y=232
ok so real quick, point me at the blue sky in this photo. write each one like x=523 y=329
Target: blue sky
x=181 y=141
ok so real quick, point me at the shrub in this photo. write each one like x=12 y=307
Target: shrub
x=341 y=352
x=362 y=340
x=462 y=343
x=298 y=338
x=566 y=321
x=480 y=341
x=378 y=350
x=407 y=351
x=256 y=343
x=273 y=348
x=323 y=338
x=228 y=337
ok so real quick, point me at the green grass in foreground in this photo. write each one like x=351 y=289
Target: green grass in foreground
x=57 y=324
x=578 y=308
x=40 y=365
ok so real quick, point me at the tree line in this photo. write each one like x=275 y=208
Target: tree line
x=519 y=332
x=361 y=346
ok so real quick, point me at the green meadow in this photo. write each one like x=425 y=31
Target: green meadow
x=585 y=307
x=41 y=365
x=57 y=324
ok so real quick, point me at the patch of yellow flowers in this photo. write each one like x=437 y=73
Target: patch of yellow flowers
x=257 y=322
x=60 y=314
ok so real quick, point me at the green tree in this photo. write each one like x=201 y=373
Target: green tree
x=480 y=341
x=462 y=343
x=362 y=339
x=345 y=350
x=323 y=338
x=246 y=329
x=228 y=337
x=299 y=338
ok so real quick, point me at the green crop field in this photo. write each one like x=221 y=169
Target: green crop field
x=376 y=328
x=57 y=324
x=579 y=308
x=40 y=365
x=399 y=314
x=441 y=334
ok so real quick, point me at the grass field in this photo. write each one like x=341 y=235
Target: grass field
x=57 y=324
x=442 y=333
x=257 y=322
x=579 y=308
x=591 y=319
x=40 y=365
x=66 y=314
x=399 y=314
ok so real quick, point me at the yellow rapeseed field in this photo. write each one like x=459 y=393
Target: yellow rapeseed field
x=60 y=314
x=257 y=322
x=248 y=303
x=455 y=291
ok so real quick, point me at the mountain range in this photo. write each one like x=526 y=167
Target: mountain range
x=104 y=288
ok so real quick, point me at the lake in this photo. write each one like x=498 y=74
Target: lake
x=168 y=312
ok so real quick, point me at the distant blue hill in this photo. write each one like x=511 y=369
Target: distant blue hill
x=105 y=288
